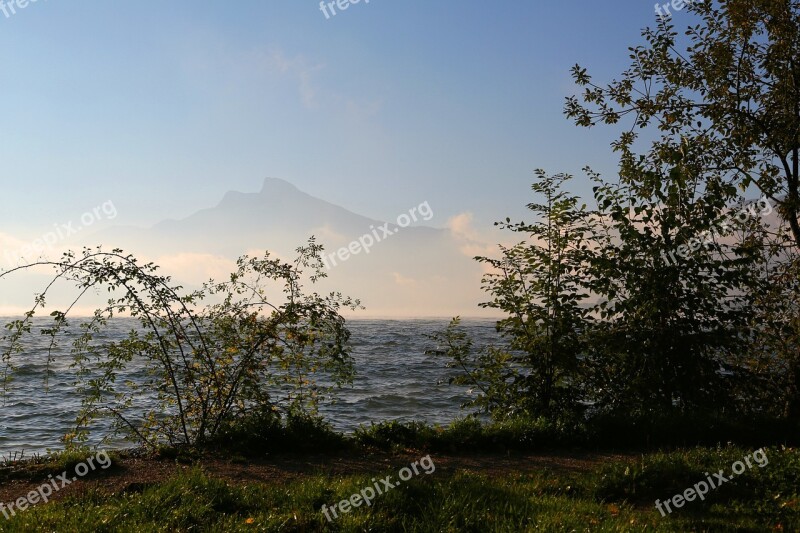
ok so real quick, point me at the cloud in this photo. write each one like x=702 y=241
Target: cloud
x=196 y=268
x=327 y=235
x=471 y=242
x=213 y=61
x=299 y=68
x=403 y=281
x=10 y=248
x=9 y=242
x=15 y=252
x=461 y=225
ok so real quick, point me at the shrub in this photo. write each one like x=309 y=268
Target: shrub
x=245 y=352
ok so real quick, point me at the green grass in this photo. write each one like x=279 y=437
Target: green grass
x=472 y=435
x=54 y=463
x=602 y=432
x=613 y=497
x=260 y=435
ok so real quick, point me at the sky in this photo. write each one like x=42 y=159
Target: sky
x=164 y=107
x=129 y=114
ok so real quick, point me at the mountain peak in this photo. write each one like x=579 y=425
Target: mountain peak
x=277 y=185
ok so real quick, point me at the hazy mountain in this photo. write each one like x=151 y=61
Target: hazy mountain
x=417 y=270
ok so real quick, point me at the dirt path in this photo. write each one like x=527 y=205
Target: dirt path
x=135 y=473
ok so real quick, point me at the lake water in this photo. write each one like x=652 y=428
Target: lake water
x=395 y=380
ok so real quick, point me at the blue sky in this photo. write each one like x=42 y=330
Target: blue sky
x=162 y=107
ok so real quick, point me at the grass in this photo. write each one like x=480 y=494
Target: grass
x=261 y=435
x=623 y=433
x=42 y=465
x=470 y=434
x=613 y=497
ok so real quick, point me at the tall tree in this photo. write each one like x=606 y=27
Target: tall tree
x=540 y=286
x=728 y=98
x=673 y=306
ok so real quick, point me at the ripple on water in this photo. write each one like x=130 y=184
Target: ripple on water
x=395 y=380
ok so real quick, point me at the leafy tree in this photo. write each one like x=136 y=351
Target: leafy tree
x=489 y=372
x=672 y=291
x=729 y=100
x=665 y=333
x=638 y=308
x=539 y=285
x=245 y=352
x=773 y=356
x=723 y=101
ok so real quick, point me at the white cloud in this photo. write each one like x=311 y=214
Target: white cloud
x=196 y=268
x=471 y=242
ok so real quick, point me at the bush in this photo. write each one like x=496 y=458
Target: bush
x=470 y=435
x=392 y=434
x=206 y=366
x=683 y=430
x=259 y=434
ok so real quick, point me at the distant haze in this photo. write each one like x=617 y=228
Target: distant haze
x=417 y=271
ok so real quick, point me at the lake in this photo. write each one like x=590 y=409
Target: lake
x=395 y=380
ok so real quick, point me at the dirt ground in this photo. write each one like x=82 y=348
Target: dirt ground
x=132 y=474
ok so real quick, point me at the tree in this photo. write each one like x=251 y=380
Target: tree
x=725 y=101
x=638 y=308
x=729 y=101
x=774 y=352
x=539 y=285
x=672 y=281
x=243 y=353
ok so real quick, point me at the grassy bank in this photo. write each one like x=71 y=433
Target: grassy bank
x=256 y=437
x=455 y=495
